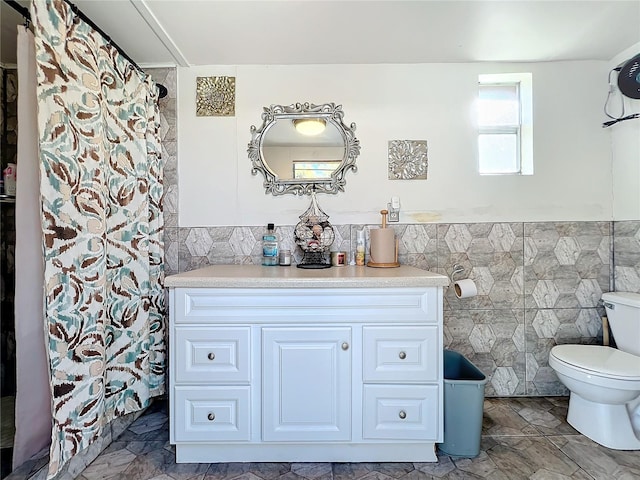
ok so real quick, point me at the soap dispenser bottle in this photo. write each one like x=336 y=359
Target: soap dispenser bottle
x=270 y=246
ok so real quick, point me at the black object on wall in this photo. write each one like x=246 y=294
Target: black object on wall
x=629 y=78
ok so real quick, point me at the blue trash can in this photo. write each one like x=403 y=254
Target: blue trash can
x=463 y=406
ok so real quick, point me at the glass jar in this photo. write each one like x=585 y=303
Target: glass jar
x=285 y=258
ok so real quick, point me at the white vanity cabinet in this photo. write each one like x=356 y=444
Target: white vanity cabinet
x=284 y=364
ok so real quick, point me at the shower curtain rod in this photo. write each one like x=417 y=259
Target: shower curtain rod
x=19 y=8
x=25 y=13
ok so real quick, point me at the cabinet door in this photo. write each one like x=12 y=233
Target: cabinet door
x=306 y=383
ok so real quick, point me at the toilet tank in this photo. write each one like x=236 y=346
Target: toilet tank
x=623 y=312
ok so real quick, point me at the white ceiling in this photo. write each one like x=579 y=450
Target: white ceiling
x=265 y=32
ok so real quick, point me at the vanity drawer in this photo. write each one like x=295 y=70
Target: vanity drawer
x=291 y=305
x=212 y=354
x=211 y=414
x=400 y=412
x=400 y=354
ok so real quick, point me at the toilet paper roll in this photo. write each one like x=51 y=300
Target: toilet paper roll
x=465 y=288
x=383 y=245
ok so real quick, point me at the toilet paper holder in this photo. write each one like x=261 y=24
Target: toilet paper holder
x=456 y=270
x=463 y=288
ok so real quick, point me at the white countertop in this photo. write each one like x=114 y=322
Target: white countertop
x=258 y=276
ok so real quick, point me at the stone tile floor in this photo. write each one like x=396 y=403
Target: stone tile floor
x=522 y=438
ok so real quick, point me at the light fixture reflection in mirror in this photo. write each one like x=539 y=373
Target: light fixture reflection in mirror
x=310 y=126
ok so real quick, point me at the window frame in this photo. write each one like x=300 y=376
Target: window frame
x=523 y=130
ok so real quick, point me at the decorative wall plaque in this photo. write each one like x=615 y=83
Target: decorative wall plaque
x=216 y=96
x=407 y=159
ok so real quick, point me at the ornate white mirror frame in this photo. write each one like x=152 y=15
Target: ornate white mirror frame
x=278 y=132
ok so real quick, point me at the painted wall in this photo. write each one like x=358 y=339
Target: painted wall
x=434 y=102
x=625 y=147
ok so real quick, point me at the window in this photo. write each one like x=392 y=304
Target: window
x=505 y=130
x=314 y=170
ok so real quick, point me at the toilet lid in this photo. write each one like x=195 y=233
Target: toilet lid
x=623 y=298
x=600 y=360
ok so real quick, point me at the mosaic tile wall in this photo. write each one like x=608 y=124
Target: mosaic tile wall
x=539 y=284
x=626 y=255
x=168 y=117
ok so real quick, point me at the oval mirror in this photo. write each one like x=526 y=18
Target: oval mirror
x=303 y=147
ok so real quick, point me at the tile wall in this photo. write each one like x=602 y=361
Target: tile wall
x=626 y=255
x=539 y=284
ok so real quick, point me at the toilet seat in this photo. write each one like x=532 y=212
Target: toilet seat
x=599 y=360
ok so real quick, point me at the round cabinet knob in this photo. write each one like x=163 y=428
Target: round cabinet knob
x=211 y=416
x=402 y=414
x=211 y=356
x=402 y=355
x=345 y=346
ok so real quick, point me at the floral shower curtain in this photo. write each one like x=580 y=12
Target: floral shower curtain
x=101 y=189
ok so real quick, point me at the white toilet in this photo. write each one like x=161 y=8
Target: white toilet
x=605 y=382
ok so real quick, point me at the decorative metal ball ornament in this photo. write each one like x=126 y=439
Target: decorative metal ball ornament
x=314 y=235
